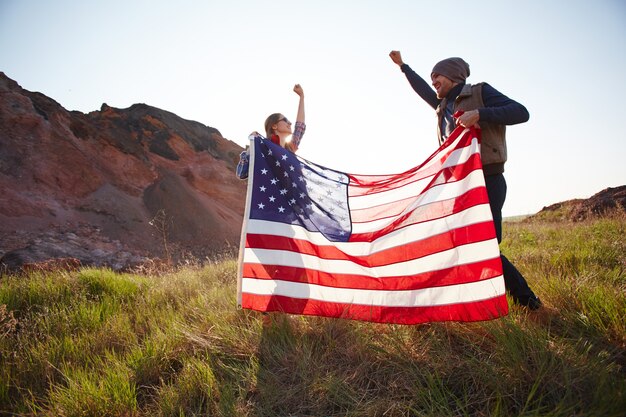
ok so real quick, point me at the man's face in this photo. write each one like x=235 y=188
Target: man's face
x=442 y=84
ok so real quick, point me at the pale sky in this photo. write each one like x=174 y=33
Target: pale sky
x=229 y=64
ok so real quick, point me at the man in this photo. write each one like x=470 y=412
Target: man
x=492 y=111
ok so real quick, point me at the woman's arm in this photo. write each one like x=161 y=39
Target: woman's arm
x=296 y=137
x=300 y=126
x=243 y=165
x=300 y=92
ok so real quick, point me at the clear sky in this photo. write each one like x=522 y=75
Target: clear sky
x=229 y=64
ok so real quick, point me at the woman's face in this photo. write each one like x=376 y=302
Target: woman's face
x=283 y=125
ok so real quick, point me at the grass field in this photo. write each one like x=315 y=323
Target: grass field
x=97 y=343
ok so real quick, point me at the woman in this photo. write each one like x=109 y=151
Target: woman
x=278 y=129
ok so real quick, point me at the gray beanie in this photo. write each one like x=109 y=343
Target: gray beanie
x=455 y=69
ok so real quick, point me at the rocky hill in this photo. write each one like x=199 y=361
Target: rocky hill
x=608 y=202
x=112 y=187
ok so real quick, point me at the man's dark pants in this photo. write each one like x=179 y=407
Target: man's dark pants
x=514 y=281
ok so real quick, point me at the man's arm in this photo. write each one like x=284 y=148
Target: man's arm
x=500 y=109
x=421 y=87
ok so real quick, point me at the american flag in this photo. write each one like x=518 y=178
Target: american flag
x=407 y=248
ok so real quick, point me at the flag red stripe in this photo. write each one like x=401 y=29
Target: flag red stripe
x=432 y=211
x=394 y=208
x=413 y=250
x=460 y=274
x=488 y=309
x=369 y=184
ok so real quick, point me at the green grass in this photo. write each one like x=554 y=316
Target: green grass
x=98 y=343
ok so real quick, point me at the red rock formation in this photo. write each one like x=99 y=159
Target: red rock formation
x=103 y=176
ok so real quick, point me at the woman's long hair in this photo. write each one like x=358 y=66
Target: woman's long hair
x=271 y=120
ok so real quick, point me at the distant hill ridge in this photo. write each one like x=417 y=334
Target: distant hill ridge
x=610 y=201
x=90 y=185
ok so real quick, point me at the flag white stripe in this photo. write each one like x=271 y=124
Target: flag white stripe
x=410 y=189
x=462 y=155
x=440 y=192
x=436 y=194
x=442 y=151
x=434 y=296
x=415 y=232
x=460 y=255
